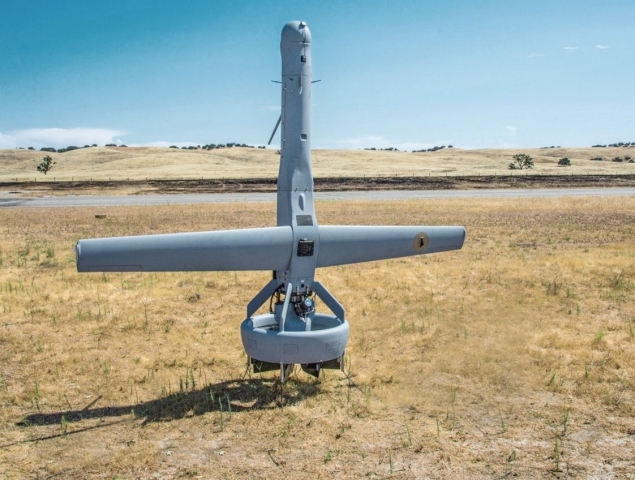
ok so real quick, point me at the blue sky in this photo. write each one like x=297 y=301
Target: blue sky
x=407 y=74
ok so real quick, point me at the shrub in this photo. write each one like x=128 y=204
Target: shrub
x=433 y=149
x=564 y=162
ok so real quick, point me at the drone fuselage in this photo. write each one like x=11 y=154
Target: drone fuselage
x=295 y=178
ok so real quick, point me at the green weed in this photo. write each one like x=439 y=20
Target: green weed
x=600 y=335
x=63 y=425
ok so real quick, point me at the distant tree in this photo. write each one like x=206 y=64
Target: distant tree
x=564 y=162
x=111 y=145
x=173 y=146
x=521 y=160
x=617 y=159
x=94 y=145
x=67 y=149
x=48 y=149
x=46 y=165
x=30 y=148
x=597 y=159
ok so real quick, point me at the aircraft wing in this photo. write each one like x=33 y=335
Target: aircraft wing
x=340 y=245
x=247 y=249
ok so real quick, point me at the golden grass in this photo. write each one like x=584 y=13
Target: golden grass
x=514 y=356
x=139 y=163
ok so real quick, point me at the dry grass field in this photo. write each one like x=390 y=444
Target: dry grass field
x=512 y=357
x=139 y=163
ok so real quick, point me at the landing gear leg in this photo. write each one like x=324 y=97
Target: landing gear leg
x=285 y=371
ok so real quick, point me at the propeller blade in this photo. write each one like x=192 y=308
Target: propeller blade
x=275 y=129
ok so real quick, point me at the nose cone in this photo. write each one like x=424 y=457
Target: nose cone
x=296 y=32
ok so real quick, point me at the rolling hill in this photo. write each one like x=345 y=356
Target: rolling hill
x=139 y=163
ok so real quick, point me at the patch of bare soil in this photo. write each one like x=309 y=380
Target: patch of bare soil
x=327 y=184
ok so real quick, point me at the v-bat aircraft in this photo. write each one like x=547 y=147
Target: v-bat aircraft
x=293 y=332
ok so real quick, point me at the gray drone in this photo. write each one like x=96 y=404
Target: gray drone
x=292 y=332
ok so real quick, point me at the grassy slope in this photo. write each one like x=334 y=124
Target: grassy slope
x=154 y=163
x=514 y=356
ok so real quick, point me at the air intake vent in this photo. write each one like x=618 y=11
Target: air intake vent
x=305 y=248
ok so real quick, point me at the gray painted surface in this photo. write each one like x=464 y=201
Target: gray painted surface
x=14 y=200
x=342 y=244
x=326 y=342
x=248 y=249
